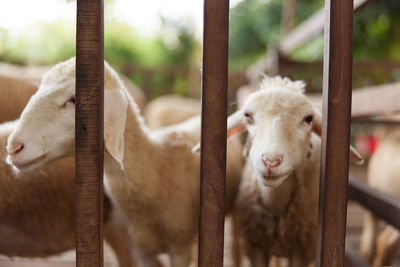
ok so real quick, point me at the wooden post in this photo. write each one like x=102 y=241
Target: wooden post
x=288 y=15
x=335 y=132
x=89 y=134
x=213 y=132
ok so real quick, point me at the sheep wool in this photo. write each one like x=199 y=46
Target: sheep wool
x=276 y=207
x=152 y=177
x=37 y=210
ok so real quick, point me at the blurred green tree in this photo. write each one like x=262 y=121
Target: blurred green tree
x=377 y=30
x=255 y=26
x=176 y=42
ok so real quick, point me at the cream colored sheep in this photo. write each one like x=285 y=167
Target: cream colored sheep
x=384 y=175
x=171 y=109
x=168 y=110
x=16 y=87
x=18 y=84
x=153 y=178
x=276 y=207
x=136 y=92
x=177 y=117
x=37 y=211
x=165 y=111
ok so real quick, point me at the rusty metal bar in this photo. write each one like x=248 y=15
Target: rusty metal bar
x=381 y=205
x=335 y=132
x=213 y=132
x=89 y=133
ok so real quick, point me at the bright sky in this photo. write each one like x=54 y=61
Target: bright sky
x=144 y=15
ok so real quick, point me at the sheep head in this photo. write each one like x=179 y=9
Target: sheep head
x=280 y=121
x=46 y=129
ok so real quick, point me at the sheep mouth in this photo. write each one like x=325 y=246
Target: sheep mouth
x=30 y=164
x=274 y=177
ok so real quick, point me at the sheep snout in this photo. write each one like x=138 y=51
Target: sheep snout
x=21 y=158
x=271 y=163
x=15 y=148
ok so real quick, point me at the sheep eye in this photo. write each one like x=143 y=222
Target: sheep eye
x=70 y=101
x=248 y=117
x=308 y=119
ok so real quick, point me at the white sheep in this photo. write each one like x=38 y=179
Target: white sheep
x=276 y=207
x=170 y=109
x=18 y=84
x=37 y=211
x=153 y=178
x=384 y=175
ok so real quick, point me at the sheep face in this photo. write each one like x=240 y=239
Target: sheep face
x=46 y=122
x=46 y=129
x=279 y=123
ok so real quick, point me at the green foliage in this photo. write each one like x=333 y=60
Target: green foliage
x=254 y=26
x=176 y=42
x=305 y=8
x=50 y=43
x=313 y=50
x=123 y=46
x=46 y=44
x=38 y=44
x=377 y=30
x=173 y=45
x=376 y=34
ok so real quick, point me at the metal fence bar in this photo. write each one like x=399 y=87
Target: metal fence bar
x=381 y=205
x=213 y=132
x=89 y=133
x=335 y=132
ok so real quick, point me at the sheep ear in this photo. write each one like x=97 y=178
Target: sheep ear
x=235 y=127
x=235 y=124
x=355 y=157
x=317 y=122
x=115 y=108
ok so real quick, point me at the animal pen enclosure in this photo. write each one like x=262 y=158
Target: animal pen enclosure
x=334 y=185
x=335 y=132
x=335 y=135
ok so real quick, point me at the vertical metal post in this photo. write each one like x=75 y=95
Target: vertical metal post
x=335 y=132
x=89 y=133
x=213 y=132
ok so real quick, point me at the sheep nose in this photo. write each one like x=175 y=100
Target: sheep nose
x=272 y=163
x=15 y=149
